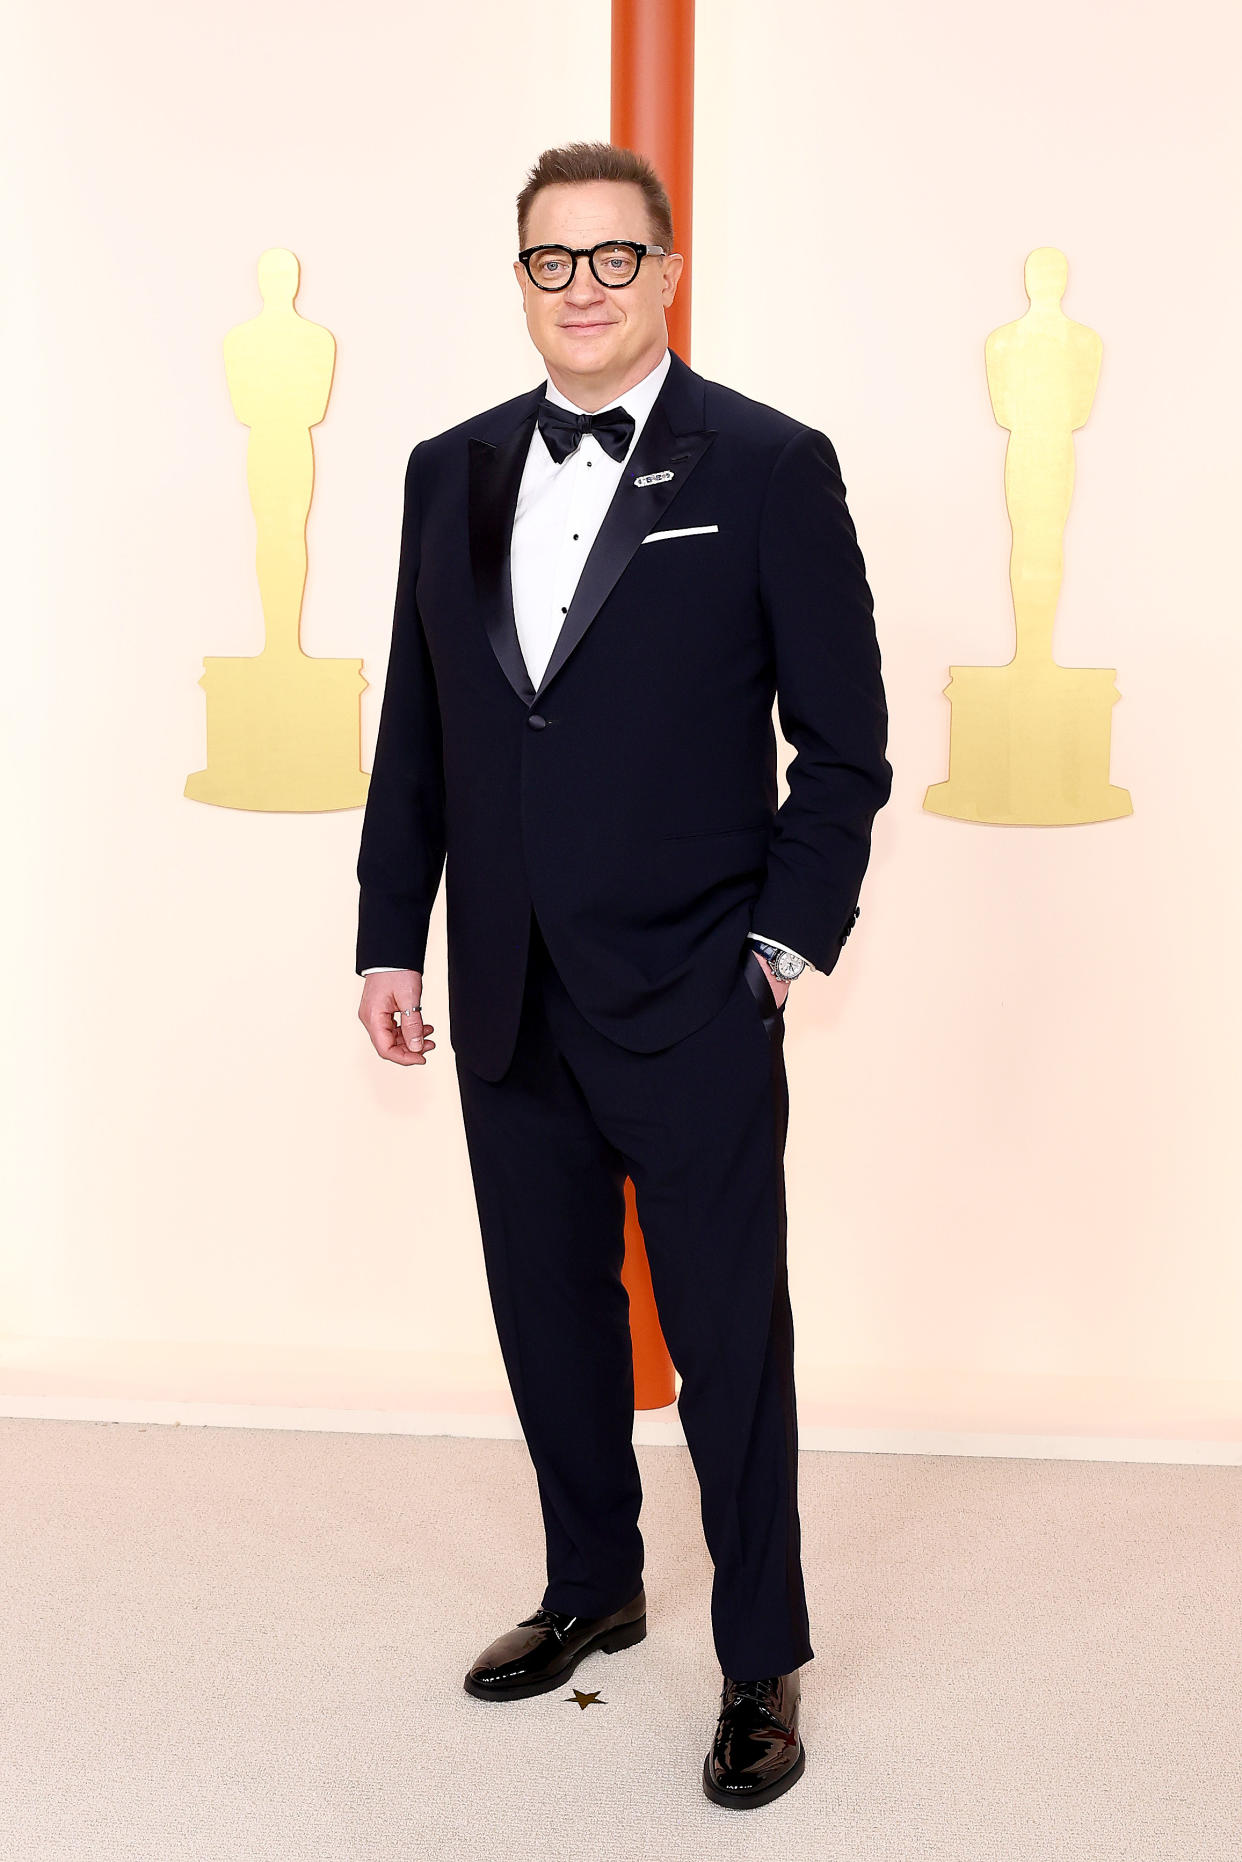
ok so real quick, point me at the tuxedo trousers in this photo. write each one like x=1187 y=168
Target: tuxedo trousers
x=699 y=1127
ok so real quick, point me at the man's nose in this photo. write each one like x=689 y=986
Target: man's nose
x=586 y=287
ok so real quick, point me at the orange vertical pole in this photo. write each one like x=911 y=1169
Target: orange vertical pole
x=653 y=112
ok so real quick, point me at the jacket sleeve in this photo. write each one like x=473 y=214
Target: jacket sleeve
x=829 y=698
x=401 y=854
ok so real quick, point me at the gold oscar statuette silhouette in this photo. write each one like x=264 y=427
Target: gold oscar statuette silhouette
x=1029 y=743
x=283 y=728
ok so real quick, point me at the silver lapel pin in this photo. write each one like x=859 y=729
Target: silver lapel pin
x=653 y=478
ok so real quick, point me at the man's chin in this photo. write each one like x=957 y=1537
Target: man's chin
x=585 y=353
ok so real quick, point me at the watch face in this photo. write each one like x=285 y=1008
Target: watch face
x=787 y=967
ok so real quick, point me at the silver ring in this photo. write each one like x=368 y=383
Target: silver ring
x=401 y=1013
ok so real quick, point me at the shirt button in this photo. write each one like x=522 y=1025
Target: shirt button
x=535 y=722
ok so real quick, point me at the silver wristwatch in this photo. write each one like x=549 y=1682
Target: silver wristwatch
x=784 y=963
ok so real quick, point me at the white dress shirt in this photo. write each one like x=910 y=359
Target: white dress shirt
x=559 y=511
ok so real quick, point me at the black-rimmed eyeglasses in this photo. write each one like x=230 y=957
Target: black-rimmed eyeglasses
x=552 y=268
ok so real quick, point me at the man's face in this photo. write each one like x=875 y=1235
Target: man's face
x=596 y=340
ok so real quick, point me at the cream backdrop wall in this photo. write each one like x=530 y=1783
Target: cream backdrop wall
x=1012 y=1162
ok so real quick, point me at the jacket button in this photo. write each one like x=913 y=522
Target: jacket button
x=535 y=722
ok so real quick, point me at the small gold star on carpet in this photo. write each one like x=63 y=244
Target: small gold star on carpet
x=587 y=1700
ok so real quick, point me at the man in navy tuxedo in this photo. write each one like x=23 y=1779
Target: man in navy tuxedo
x=604 y=585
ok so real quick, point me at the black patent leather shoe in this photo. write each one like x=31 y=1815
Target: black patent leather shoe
x=757 y=1751
x=544 y=1649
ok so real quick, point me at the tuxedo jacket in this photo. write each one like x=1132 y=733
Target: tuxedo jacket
x=631 y=799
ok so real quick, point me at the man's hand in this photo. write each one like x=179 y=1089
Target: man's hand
x=404 y=1042
x=781 y=985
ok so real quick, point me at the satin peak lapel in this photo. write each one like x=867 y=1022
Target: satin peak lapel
x=495 y=480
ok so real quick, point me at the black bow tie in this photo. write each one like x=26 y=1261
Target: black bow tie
x=561 y=430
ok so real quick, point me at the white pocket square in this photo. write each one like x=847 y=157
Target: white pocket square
x=695 y=530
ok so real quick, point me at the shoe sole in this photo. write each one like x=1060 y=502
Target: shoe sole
x=739 y=1800
x=609 y=1640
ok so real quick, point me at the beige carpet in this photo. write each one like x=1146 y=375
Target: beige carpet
x=223 y=1643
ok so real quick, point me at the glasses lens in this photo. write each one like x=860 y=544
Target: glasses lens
x=616 y=264
x=550 y=267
